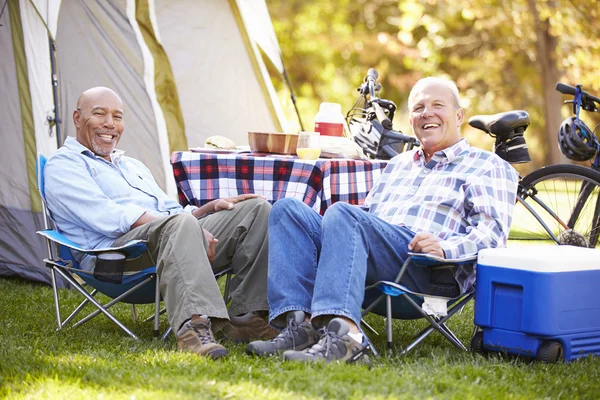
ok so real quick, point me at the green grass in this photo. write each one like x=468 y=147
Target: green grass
x=99 y=361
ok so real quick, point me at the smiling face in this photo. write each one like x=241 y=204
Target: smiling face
x=435 y=115
x=99 y=121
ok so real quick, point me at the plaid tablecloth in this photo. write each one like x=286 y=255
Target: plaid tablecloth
x=204 y=177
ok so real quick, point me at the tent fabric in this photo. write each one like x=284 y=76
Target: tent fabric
x=25 y=86
x=216 y=85
x=258 y=22
x=219 y=90
x=166 y=91
x=101 y=31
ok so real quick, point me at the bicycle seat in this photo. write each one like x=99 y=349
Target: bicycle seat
x=502 y=124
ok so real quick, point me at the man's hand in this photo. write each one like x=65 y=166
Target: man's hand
x=425 y=242
x=212 y=242
x=228 y=202
x=221 y=204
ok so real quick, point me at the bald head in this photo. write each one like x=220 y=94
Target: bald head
x=95 y=92
x=99 y=120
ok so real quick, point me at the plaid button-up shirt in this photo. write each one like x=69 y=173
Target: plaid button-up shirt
x=463 y=195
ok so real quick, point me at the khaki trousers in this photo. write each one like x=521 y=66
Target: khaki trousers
x=178 y=248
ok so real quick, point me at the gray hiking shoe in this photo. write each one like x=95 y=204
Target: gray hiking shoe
x=334 y=345
x=195 y=336
x=297 y=335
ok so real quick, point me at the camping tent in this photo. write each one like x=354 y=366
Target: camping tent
x=185 y=70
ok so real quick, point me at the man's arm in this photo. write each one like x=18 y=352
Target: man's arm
x=144 y=219
x=73 y=195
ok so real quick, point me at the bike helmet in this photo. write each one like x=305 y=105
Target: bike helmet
x=366 y=136
x=575 y=140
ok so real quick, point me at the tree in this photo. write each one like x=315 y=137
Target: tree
x=503 y=54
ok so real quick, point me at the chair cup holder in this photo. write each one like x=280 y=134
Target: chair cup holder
x=110 y=267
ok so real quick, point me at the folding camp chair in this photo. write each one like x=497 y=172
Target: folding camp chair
x=139 y=287
x=402 y=303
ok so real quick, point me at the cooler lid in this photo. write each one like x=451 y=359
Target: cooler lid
x=542 y=258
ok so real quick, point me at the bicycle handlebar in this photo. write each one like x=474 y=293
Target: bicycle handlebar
x=385 y=121
x=585 y=96
x=371 y=80
x=566 y=89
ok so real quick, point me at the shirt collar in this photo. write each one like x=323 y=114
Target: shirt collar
x=449 y=153
x=72 y=144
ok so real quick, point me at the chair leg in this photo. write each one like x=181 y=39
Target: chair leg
x=112 y=302
x=56 y=299
x=96 y=303
x=164 y=336
x=156 y=306
x=369 y=327
x=388 y=322
x=134 y=315
x=79 y=308
x=161 y=312
x=423 y=334
x=369 y=343
x=433 y=322
x=226 y=292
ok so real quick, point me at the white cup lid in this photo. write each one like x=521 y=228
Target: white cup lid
x=330 y=108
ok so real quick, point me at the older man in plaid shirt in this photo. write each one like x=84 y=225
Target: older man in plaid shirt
x=447 y=199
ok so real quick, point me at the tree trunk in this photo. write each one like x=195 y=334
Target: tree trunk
x=545 y=47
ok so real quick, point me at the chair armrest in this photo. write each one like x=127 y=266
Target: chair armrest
x=433 y=262
x=131 y=249
x=430 y=260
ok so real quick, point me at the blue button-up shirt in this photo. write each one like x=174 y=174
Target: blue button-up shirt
x=94 y=201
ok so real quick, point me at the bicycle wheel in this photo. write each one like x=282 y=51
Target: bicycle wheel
x=559 y=204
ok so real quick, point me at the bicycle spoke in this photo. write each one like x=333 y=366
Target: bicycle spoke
x=565 y=199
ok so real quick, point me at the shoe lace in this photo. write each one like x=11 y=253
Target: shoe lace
x=204 y=332
x=288 y=332
x=323 y=346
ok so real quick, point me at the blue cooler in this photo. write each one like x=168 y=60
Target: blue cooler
x=538 y=301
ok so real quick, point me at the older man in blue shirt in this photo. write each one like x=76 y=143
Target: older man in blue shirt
x=98 y=197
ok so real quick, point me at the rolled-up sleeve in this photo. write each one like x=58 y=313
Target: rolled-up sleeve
x=73 y=195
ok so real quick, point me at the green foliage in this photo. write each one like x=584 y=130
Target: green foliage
x=97 y=360
x=487 y=46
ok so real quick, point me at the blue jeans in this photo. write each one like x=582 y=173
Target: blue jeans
x=321 y=265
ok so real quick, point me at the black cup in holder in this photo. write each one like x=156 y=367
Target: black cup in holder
x=110 y=267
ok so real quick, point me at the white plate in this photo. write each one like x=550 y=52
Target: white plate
x=213 y=151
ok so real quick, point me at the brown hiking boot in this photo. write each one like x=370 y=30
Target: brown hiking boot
x=249 y=327
x=195 y=336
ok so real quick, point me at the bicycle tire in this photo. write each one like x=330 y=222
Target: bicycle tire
x=571 y=192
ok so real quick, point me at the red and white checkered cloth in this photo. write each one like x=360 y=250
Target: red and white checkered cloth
x=202 y=177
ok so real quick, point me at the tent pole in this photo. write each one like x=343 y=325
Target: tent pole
x=293 y=96
x=56 y=120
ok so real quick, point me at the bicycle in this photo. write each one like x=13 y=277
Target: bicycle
x=371 y=124
x=557 y=204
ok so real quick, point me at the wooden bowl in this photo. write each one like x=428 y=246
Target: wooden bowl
x=270 y=142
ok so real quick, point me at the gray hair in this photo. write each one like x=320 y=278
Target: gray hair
x=449 y=84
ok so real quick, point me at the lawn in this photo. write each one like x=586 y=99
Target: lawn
x=99 y=361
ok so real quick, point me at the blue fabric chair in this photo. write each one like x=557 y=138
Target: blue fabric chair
x=402 y=303
x=139 y=287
